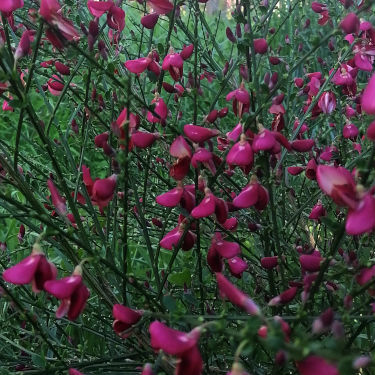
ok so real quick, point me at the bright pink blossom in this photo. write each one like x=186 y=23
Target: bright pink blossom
x=72 y=293
x=34 y=269
x=236 y=296
x=125 y=318
x=314 y=365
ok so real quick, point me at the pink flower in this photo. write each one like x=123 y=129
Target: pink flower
x=260 y=46
x=180 y=344
x=327 y=102
x=139 y=65
x=237 y=266
x=174 y=63
x=350 y=24
x=370 y=133
x=284 y=298
x=9 y=6
x=302 y=145
x=368 y=102
x=62 y=68
x=116 y=18
x=253 y=194
x=149 y=20
x=241 y=100
x=125 y=318
x=317 y=211
x=206 y=207
x=350 y=131
x=103 y=190
x=199 y=134
x=269 y=262
x=338 y=183
x=225 y=249
x=73 y=371
x=172 y=238
x=318 y=7
x=294 y=171
x=23 y=48
x=57 y=200
x=161 y=6
x=160 y=109
x=34 y=269
x=361 y=218
x=147 y=370
x=55 y=86
x=314 y=365
x=241 y=153
x=98 y=8
x=143 y=139
x=236 y=296
x=72 y=293
x=50 y=10
x=310 y=263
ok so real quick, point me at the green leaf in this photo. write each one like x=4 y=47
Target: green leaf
x=180 y=278
x=170 y=303
x=38 y=361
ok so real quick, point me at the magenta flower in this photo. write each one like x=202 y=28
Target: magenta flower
x=302 y=145
x=323 y=322
x=161 y=6
x=199 y=134
x=317 y=211
x=172 y=238
x=237 y=266
x=147 y=370
x=344 y=76
x=313 y=365
x=98 y=8
x=225 y=249
x=74 y=371
x=62 y=68
x=350 y=24
x=350 y=131
x=72 y=293
x=103 y=190
x=310 y=263
x=318 y=7
x=57 y=200
x=149 y=21
x=249 y=195
x=139 y=65
x=50 y=10
x=294 y=171
x=327 y=102
x=125 y=318
x=34 y=269
x=180 y=344
x=269 y=262
x=160 y=109
x=367 y=102
x=338 y=183
x=143 y=139
x=284 y=298
x=241 y=154
x=9 y=6
x=236 y=296
x=370 y=133
x=361 y=218
x=23 y=48
x=174 y=63
x=206 y=207
x=260 y=46
x=241 y=100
